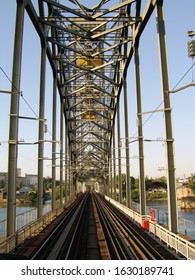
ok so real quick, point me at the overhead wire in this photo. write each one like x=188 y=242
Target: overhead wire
x=21 y=94
x=156 y=109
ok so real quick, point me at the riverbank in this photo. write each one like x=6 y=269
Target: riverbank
x=4 y=201
x=188 y=202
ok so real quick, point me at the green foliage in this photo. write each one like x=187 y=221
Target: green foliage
x=155 y=183
x=156 y=195
x=135 y=194
x=149 y=183
x=192 y=183
x=47 y=183
x=57 y=192
x=5 y=192
x=19 y=185
x=32 y=196
x=2 y=184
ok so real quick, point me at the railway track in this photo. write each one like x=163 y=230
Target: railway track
x=126 y=239
x=92 y=229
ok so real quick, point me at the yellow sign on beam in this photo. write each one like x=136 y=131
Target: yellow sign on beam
x=89 y=62
x=89 y=115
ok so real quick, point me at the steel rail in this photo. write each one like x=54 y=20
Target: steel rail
x=132 y=242
x=51 y=241
x=65 y=241
x=136 y=240
x=75 y=235
x=116 y=243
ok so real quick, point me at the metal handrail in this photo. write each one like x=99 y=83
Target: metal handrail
x=10 y=243
x=178 y=243
x=20 y=219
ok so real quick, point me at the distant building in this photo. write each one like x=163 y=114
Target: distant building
x=182 y=180
x=28 y=180
x=31 y=179
x=19 y=172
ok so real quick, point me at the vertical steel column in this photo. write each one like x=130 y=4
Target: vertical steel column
x=54 y=142
x=66 y=166
x=171 y=182
x=61 y=151
x=114 y=160
x=13 y=130
x=119 y=154
x=70 y=172
x=140 y=134
x=41 y=133
x=110 y=173
x=128 y=179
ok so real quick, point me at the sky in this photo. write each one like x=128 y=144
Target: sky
x=179 y=19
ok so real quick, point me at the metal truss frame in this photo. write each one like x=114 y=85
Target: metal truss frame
x=89 y=50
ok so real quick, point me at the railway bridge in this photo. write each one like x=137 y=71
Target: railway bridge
x=89 y=51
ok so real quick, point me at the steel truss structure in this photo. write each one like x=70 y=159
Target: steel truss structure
x=89 y=50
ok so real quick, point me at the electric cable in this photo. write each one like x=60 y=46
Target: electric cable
x=166 y=97
x=21 y=94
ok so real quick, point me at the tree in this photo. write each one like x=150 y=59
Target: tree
x=148 y=183
x=47 y=183
x=133 y=180
x=192 y=183
x=19 y=185
x=32 y=196
x=2 y=184
x=158 y=184
x=162 y=179
x=57 y=192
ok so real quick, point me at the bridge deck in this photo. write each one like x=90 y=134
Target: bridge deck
x=93 y=228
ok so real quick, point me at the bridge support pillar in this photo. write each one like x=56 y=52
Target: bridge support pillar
x=128 y=182
x=140 y=134
x=13 y=130
x=119 y=155
x=67 y=191
x=41 y=133
x=114 y=161
x=61 y=152
x=54 y=142
x=171 y=182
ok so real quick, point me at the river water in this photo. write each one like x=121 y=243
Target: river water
x=29 y=212
x=161 y=214
x=186 y=217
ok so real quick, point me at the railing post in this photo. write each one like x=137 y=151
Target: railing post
x=16 y=240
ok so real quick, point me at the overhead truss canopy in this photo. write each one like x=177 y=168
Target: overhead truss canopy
x=89 y=47
x=89 y=50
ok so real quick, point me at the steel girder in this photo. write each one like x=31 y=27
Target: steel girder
x=89 y=49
